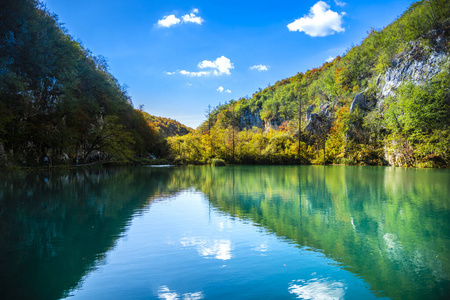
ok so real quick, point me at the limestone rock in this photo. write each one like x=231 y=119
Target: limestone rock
x=363 y=102
x=250 y=120
x=320 y=123
x=309 y=111
x=415 y=65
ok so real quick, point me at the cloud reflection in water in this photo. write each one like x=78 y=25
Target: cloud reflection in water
x=318 y=289
x=165 y=293
x=218 y=249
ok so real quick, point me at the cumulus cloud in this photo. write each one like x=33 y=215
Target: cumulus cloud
x=221 y=89
x=259 y=68
x=340 y=3
x=193 y=18
x=321 y=21
x=222 y=65
x=206 y=64
x=171 y=20
x=168 y=21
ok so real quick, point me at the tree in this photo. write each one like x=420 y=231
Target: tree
x=111 y=137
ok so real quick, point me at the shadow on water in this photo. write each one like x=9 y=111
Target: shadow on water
x=56 y=227
x=389 y=226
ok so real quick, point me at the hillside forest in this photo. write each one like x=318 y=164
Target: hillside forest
x=385 y=101
x=60 y=104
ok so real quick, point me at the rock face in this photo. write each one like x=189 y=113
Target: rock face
x=363 y=102
x=319 y=123
x=250 y=120
x=397 y=158
x=309 y=111
x=272 y=124
x=415 y=65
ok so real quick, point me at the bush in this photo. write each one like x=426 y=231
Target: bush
x=217 y=162
x=347 y=161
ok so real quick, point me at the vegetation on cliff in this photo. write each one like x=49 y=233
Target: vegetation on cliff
x=386 y=101
x=348 y=110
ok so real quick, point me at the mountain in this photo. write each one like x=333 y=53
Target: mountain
x=385 y=102
x=167 y=127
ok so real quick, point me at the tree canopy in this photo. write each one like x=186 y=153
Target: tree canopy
x=57 y=100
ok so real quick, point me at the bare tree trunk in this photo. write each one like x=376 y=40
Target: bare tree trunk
x=299 y=126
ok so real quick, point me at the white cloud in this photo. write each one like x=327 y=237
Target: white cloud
x=330 y=59
x=194 y=74
x=171 y=20
x=340 y=3
x=218 y=67
x=259 y=68
x=206 y=64
x=192 y=18
x=321 y=21
x=168 y=21
x=222 y=65
x=221 y=89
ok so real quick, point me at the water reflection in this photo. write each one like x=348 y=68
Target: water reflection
x=56 y=227
x=315 y=289
x=389 y=226
x=167 y=294
x=218 y=249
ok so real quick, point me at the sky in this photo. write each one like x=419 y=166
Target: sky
x=178 y=57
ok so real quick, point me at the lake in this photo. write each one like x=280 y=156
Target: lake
x=235 y=232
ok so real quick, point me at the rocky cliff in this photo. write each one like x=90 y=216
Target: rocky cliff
x=385 y=101
x=417 y=65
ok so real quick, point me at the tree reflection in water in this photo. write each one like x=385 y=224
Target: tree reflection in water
x=388 y=225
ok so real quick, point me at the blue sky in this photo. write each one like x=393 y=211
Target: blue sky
x=178 y=57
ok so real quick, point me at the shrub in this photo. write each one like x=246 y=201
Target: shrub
x=217 y=162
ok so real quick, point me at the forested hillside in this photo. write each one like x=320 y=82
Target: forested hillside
x=385 y=102
x=167 y=127
x=58 y=102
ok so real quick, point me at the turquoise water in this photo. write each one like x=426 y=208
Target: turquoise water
x=243 y=232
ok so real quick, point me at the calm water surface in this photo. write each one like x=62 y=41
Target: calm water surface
x=244 y=232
